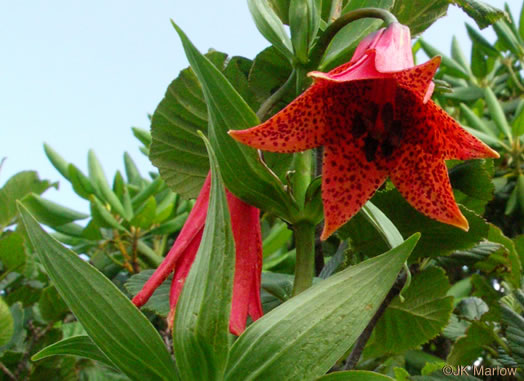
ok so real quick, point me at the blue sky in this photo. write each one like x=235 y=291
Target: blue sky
x=79 y=75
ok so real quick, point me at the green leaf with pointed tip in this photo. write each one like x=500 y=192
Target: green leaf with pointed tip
x=81 y=346
x=6 y=323
x=58 y=161
x=302 y=338
x=145 y=215
x=355 y=375
x=270 y=26
x=50 y=213
x=424 y=313
x=483 y=14
x=201 y=326
x=109 y=317
x=16 y=188
x=497 y=113
x=448 y=65
x=241 y=170
x=419 y=14
x=100 y=182
x=82 y=185
x=102 y=216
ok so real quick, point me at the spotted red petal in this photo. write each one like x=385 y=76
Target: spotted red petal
x=348 y=181
x=298 y=127
x=424 y=182
x=455 y=142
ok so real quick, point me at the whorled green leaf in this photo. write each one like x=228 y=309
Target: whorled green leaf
x=483 y=14
x=159 y=301
x=419 y=14
x=201 y=325
x=81 y=346
x=109 y=317
x=241 y=170
x=6 y=323
x=355 y=375
x=423 y=314
x=302 y=338
x=16 y=188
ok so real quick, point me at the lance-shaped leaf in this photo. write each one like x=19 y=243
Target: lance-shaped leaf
x=302 y=338
x=241 y=170
x=81 y=346
x=201 y=327
x=270 y=26
x=114 y=324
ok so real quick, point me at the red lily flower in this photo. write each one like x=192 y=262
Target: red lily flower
x=245 y=224
x=375 y=119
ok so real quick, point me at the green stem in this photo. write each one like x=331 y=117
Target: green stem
x=336 y=9
x=305 y=248
x=326 y=37
x=302 y=177
x=275 y=97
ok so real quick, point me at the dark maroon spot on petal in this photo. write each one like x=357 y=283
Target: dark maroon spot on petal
x=370 y=148
x=359 y=127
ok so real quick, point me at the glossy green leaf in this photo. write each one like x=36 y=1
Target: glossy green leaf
x=304 y=21
x=458 y=55
x=241 y=170
x=448 y=65
x=50 y=213
x=475 y=121
x=132 y=172
x=478 y=38
x=424 y=313
x=270 y=26
x=81 y=346
x=102 y=216
x=58 y=161
x=302 y=338
x=6 y=323
x=201 y=326
x=355 y=375
x=100 y=182
x=145 y=215
x=109 y=317
x=497 y=113
x=159 y=301
x=507 y=37
x=16 y=188
x=81 y=184
x=419 y=14
x=483 y=13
